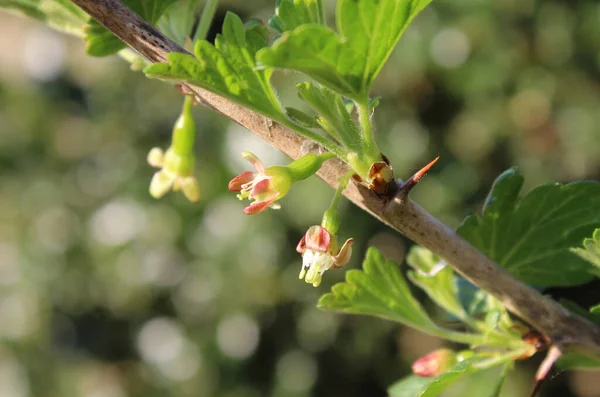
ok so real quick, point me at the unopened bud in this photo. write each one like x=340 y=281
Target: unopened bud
x=434 y=363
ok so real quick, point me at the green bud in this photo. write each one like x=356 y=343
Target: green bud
x=307 y=165
x=331 y=220
x=184 y=130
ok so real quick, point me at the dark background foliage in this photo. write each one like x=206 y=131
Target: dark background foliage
x=106 y=292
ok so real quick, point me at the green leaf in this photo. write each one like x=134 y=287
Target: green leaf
x=532 y=237
x=227 y=68
x=378 y=290
x=25 y=7
x=416 y=386
x=61 y=15
x=437 y=279
x=589 y=315
x=301 y=118
x=591 y=251
x=347 y=61
x=101 y=42
x=333 y=114
x=289 y=14
x=178 y=21
x=577 y=361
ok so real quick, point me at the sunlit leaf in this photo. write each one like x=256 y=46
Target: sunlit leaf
x=532 y=237
x=379 y=290
x=289 y=14
x=591 y=251
x=347 y=61
x=436 y=278
x=227 y=68
x=333 y=115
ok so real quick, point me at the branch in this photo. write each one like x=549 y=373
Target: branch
x=567 y=331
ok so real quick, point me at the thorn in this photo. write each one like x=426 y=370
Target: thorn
x=413 y=180
x=545 y=366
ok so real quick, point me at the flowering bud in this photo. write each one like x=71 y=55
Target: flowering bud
x=267 y=185
x=434 y=363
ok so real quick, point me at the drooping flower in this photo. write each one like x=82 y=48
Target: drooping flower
x=264 y=187
x=176 y=173
x=320 y=252
x=177 y=163
x=434 y=363
x=267 y=185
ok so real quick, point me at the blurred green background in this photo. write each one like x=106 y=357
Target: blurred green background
x=106 y=292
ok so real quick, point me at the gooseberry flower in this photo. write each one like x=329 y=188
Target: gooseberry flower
x=267 y=185
x=320 y=252
x=176 y=173
x=434 y=363
x=177 y=163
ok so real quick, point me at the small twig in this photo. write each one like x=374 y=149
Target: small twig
x=567 y=331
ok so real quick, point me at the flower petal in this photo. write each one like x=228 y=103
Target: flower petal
x=161 y=183
x=344 y=255
x=156 y=157
x=191 y=188
x=317 y=239
x=261 y=187
x=255 y=161
x=301 y=247
x=259 y=206
x=235 y=185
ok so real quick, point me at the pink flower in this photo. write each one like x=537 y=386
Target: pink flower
x=434 y=363
x=320 y=252
x=264 y=187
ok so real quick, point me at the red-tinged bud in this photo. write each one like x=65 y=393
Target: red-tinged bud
x=435 y=363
